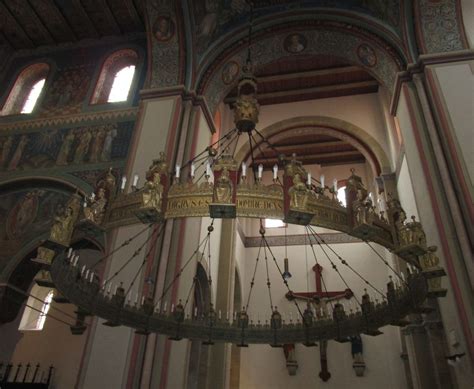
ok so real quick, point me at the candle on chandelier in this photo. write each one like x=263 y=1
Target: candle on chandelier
x=92 y=196
x=164 y=307
x=143 y=300
x=244 y=169
x=193 y=169
x=83 y=269
x=124 y=182
x=172 y=308
x=334 y=183
x=195 y=312
x=116 y=287
x=92 y=277
x=87 y=274
x=178 y=170
x=322 y=180
x=135 y=180
x=308 y=182
x=76 y=259
x=84 y=204
x=275 y=172
x=208 y=169
x=109 y=287
x=260 y=171
x=69 y=252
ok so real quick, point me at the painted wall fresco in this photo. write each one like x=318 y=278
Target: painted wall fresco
x=72 y=77
x=214 y=18
x=25 y=215
x=65 y=147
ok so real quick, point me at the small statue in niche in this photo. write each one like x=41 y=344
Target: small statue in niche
x=401 y=228
x=65 y=149
x=298 y=193
x=82 y=148
x=276 y=320
x=153 y=191
x=63 y=223
x=243 y=318
x=96 y=205
x=18 y=152
x=6 y=148
x=110 y=135
x=97 y=144
x=44 y=255
x=364 y=211
x=223 y=188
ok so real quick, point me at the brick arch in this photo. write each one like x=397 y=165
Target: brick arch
x=25 y=80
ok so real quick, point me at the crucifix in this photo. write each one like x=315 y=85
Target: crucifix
x=319 y=299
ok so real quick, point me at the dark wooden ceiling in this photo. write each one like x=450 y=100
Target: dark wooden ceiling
x=310 y=149
x=27 y=24
x=299 y=77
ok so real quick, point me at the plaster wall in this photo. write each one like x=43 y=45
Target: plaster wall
x=364 y=111
x=457 y=86
x=449 y=312
x=47 y=347
x=263 y=366
x=54 y=344
x=467 y=8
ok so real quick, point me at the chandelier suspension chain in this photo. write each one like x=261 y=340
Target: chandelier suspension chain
x=193 y=285
x=333 y=265
x=386 y=263
x=26 y=294
x=145 y=259
x=217 y=156
x=268 y=279
x=252 y=282
x=134 y=255
x=207 y=148
x=317 y=263
x=175 y=278
x=320 y=240
x=122 y=245
x=282 y=277
x=209 y=277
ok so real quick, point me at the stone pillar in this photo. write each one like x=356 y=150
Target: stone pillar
x=219 y=368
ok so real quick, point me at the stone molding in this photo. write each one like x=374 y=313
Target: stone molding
x=419 y=67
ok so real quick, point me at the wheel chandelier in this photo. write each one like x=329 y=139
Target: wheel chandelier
x=220 y=188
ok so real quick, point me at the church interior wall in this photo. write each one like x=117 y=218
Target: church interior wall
x=417 y=181
x=467 y=8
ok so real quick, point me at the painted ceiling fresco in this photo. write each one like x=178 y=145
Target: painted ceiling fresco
x=212 y=18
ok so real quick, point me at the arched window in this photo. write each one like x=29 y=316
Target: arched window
x=121 y=85
x=36 y=310
x=26 y=91
x=116 y=77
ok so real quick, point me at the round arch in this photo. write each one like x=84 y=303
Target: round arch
x=344 y=40
x=338 y=128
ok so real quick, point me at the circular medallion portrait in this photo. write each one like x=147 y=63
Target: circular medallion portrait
x=366 y=55
x=295 y=43
x=163 y=29
x=229 y=72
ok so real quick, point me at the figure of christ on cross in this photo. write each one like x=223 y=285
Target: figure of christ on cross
x=319 y=299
